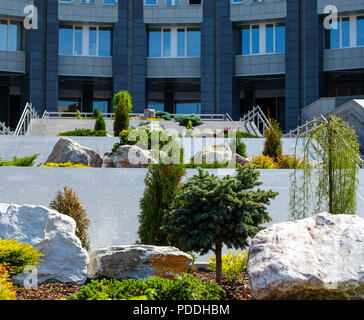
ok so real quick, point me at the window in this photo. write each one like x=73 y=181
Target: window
x=262 y=39
x=101 y=105
x=236 y=1
x=110 y=1
x=85 y=41
x=10 y=35
x=150 y=2
x=157 y=106
x=188 y=107
x=360 y=31
x=88 y=1
x=172 y=2
x=174 y=42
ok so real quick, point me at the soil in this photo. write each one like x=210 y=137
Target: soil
x=234 y=290
x=48 y=291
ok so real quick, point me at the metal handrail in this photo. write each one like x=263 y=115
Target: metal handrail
x=4 y=130
x=257 y=116
x=28 y=114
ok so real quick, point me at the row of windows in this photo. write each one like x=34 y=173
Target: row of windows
x=347 y=32
x=10 y=35
x=170 y=2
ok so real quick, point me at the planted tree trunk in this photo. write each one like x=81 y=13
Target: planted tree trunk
x=218 y=251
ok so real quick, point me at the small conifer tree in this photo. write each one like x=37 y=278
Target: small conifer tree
x=96 y=113
x=162 y=184
x=209 y=212
x=122 y=108
x=273 y=143
x=100 y=123
x=67 y=203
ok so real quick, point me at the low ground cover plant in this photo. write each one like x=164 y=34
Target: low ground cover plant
x=183 y=287
x=67 y=202
x=7 y=291
x=68 y=164
x=15 y=256
x=84 y=133
x=163 y=114
x=281 y=162
x=233 y=265
x=186 y=119
x=237 y=134
x=19 y=162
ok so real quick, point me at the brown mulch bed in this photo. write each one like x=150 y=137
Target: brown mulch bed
x=235 y=290
x=48 y=291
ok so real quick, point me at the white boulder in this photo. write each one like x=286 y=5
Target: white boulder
x=53 y=234
x=66 y=150
x=321 y=257
x=137 y=261
x=128 y=157
x=220 y=152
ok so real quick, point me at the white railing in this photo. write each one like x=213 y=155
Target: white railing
x=88 y=115
x=257 y=116
x=28 y=114
x=4 y=130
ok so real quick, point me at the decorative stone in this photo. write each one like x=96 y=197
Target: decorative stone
x=128 y=157
x=239 y=159
x=152 y=126
x=137 y=261
x=66 y=150
x=149 y=114
x=321 y=257
x=53 y=234
x=220 y=152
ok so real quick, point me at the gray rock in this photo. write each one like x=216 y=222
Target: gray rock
x=321 y=257
x=220 y=152
x=137 y=261
x=128 y=157
x=68 y=150
x=239 y=159
x=53 y=234
x=149 y=114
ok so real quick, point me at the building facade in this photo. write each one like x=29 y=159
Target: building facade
x=181 y=56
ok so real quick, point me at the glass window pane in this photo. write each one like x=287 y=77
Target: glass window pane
x=78 y=41
x=3 y=35
x=105 y=42
x=334 y=35
x=246 y=40
x=360 y=31
x=280 y=38
x=181 y=43
x=269 y=39
x=103 y=106
x=188 y=107
x=65 y=41
x=92 y=49
x=154 y=43
x=255 y=39
x=166 y=43
x=14 y=37
x=157 y=106
x=345 y=32
x=193 y=43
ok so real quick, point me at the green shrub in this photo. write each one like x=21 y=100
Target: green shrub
x=184 y=119
x=84 y=133
x=238 y=134
x=96 y=113
x=100 y=123
x=143 y=123
x=233 y=265
x=19 y=162
x=7 y=291
x=15 y=256
x=184 y=287
x=78 y=116
x=67 y=203
x=163 y=114
x=122 y=108
x=273 y=143
x=204 y=165
x=162 y=184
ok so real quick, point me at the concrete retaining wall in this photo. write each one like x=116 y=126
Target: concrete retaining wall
x=111 y=196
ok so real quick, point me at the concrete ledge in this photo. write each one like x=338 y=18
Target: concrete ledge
x=263 y=64
x=173 y=68
x=14 y=8
x=250 y=11
x=343 y=59
x=12 y=61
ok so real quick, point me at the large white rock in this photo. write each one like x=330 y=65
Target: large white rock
x=128 y=157
x=220 y=152
x=321 y=257
x=53 y=234
x=137 y=261
x=68 y=150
